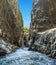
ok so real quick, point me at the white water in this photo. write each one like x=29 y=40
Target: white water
x=25 y=57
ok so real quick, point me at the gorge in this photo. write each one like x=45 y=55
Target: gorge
x=40 y=38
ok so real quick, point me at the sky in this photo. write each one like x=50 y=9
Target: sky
x=25 y=8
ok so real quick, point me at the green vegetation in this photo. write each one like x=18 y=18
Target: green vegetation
x=26 y=31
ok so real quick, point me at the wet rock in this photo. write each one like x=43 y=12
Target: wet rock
x=53 y=53
x=2 y=52
x=46 y=43
x=7 y=47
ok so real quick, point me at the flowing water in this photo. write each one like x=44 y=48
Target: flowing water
x=25 y=57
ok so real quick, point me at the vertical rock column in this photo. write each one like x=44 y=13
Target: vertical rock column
x=11 y=23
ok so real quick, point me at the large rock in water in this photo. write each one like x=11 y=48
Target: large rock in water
x=6 y=47
x=11 y=23
x=43 y=17
x=46 y=42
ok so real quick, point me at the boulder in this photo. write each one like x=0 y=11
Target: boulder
x=46 y=43
x=6 y=48
x=2 y=52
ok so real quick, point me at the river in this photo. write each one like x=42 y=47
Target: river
x=24 y=57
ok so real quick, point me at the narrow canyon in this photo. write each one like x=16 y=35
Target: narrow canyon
x=38 y=45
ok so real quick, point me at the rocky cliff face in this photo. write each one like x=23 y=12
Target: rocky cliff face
x=11 y=23
x=43 y=17
x=45 y=42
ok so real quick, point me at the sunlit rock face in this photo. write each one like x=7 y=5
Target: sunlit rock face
x=43 y=18
x=11 y=23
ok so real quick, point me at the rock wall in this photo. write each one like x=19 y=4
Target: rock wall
x=45 y=43
x=11 y=26
x=11 y=22
x=43 y=17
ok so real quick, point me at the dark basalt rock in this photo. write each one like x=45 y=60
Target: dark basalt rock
x=2 y=52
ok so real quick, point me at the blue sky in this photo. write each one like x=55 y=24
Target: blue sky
x=25 y=8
